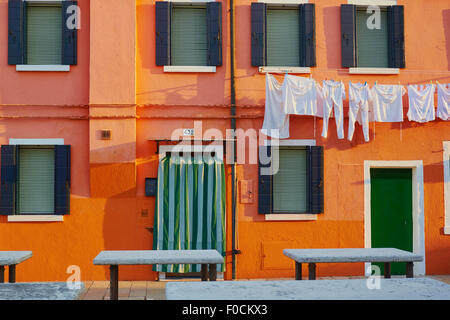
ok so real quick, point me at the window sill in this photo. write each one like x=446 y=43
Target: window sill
x=299 y=70
x=447 y=230
x=35 y=218
x=374 y=71
x=290 y=217
x=194 y=69
x=30 y=67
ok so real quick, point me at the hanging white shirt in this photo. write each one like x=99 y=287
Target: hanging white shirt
x=421 y=103
x=359 y=99
x=387 y=103
x=276 y=121
x=300 y=96
x=443 y=108
x=333 y=96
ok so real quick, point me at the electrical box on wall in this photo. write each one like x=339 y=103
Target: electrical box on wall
x=150 y=187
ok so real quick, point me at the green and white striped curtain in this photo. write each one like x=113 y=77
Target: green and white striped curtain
x=190 y=208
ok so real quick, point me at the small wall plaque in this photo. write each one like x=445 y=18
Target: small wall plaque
x=151 y=187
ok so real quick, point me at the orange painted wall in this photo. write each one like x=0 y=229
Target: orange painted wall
x=116 y=85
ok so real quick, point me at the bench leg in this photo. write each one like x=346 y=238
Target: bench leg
x=312 y=271
x=204 y=272
x=114 y=282
x=387 y=270
x=298 y=271
x=12 y=273
x=2 y=274
x=410 y=269
x=212 y=272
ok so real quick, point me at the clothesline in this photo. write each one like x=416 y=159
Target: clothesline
x=379 y=103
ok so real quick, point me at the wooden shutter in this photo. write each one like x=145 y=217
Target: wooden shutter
x=372 y=44
x=214 y=14
x=162 y=32
x=15 y=31
x=43 y=34
x=290 y=184
x=316 y=179
x=283 y=36
x=307 y=35
x=69 y=36
x=348 y=33
x=189 y=36
x=396 y=26
x=264 y=183
x=62 y=179
x=8 y=179
x=258 y=36
x=35 y=182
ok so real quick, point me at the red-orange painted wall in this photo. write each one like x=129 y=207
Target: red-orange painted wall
x=116 y=85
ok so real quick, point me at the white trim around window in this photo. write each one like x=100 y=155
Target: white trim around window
x=284 y=1
x=53 y=67
x=373 y=2
x=446 y=163
x=195 y=69
x=299 y=70
x=374 y=70
x=218 y=149
x=294 y=216
x=418 y=207
x=37 y=142
x=35 y=218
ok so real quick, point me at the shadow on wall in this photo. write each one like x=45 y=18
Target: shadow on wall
x=331 y=19
x=446 y=21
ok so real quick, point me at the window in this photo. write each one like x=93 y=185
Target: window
x=188 y=34
x=283 y=35
x=296 y=186
x=39 y=33
x=35 y=180
x=381 y=45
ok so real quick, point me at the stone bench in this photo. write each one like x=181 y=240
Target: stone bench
x=11 y=259
x=385 y=255
x=350 y=289
x=40 y=291
x=144 y=257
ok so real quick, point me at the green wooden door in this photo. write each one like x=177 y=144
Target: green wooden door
x=391 y=212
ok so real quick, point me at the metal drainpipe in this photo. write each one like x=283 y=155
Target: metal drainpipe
x=233 y=127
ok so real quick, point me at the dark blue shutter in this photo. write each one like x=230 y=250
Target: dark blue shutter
x=315 y=174
x=396 y=26
x=162 y=30
x=214 y=13
x=258 y=36
x=69 y=35
x=62 y=180
x=307 y=35
x=348 y=32
x=16 y=32
x=264 y=184
x=8 y=179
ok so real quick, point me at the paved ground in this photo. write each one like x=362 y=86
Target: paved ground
x=155 y=290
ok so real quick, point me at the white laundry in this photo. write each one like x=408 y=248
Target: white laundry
x=300 y=96
x=421 y=103
x=443 y=108
x=320 y=99
x=359 y=98
x=276 y=121
x=333 y=95
x=387 y=103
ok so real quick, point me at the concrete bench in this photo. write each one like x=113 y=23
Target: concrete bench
x=351 y=289
x=11 y=259
x=144 y=257
x=40 y=291
x=386 y=255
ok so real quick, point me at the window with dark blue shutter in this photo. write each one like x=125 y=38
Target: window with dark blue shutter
x=316 y=179
x=8 y=179
x=308 y=35
x=162 y=29
x=69 y=32
x=264 y=181
x=214 y=15
x=348 y=35
x=258 y=36
x=15 y=32
x=62 y=179
x=396 y=26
